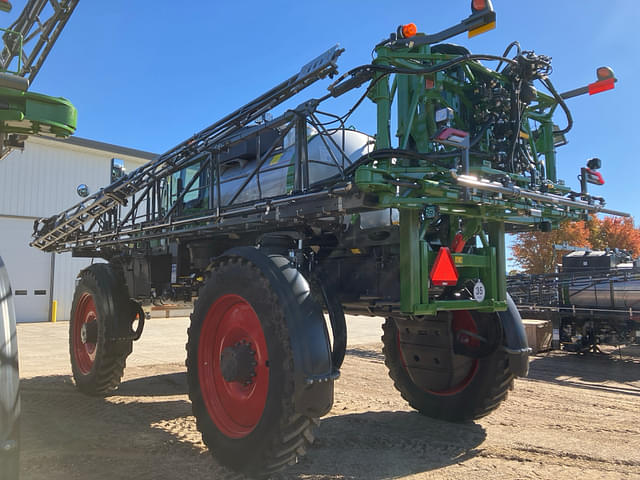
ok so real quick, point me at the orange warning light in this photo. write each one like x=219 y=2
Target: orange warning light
x=409 y=30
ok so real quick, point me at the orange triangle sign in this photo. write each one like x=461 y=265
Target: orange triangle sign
x=444 y=271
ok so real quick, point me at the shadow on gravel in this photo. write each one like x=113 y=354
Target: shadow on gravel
x=155 y=385
x=366 y=353
x=386 y=445
x=69 y=435
x=176 y=383
x=604 y=372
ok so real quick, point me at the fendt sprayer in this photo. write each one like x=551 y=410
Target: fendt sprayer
x=25 y=46
x=264 y=223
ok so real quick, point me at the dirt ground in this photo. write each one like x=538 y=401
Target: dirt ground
x=574 y=417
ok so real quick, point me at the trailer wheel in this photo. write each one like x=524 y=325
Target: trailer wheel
x=9 y=383
x=98 y=355
x=240 y=373
x=475 y=387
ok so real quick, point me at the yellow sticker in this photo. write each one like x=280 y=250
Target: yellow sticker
x=458 y=260
x=275 y=159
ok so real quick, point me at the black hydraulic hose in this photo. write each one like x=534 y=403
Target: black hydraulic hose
x=508 y=49
x=547 y=83
x=389 y=70
x=388 y=152
x=443 y=66
x=516 y=137
x=396 y=152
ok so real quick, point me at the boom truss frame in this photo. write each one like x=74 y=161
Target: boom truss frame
x=31 y=37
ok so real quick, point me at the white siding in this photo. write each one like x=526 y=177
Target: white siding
x=41 y=181
x=29 y=270
x=66 y=270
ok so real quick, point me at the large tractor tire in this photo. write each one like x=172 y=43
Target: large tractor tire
x=97 y=348
x=9 y=383
x=443 y=384
x=240 y=372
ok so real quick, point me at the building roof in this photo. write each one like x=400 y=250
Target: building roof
x=107 y=147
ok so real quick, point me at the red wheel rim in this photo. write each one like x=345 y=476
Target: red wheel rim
x=84 y=352
x=462 y=320
x=235 y=407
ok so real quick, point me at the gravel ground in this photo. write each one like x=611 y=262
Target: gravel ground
x=574 y=417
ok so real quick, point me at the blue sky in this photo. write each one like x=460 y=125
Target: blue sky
x=149 y=74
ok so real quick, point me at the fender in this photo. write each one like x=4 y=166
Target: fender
x=336 y=316
x=118 y=320
x=515 y=338
x=313 y=370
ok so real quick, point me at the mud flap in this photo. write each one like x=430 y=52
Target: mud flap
x=515 y=339
x=313 y=370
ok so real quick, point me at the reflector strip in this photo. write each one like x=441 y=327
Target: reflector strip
x=452 y=134
x=602 y=86
x=482 y=29
x=594 y=177
x=444 y=271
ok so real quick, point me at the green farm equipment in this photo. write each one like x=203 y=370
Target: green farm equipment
x=265 y=223
x=27 y=42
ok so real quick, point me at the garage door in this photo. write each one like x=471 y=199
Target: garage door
x=29 y=269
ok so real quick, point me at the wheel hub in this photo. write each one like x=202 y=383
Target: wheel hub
x=237 y=363
x=233 y=366
x=89 y=332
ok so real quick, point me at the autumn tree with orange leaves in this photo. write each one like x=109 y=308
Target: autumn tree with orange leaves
x=534 y=252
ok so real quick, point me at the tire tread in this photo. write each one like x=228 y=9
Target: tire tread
x=109 y=367
x=293 y=434
x=477 y=407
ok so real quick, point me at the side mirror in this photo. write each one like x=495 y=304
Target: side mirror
x=117 y=169
x=82 y=190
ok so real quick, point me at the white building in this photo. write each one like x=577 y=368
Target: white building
x=39 y=182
